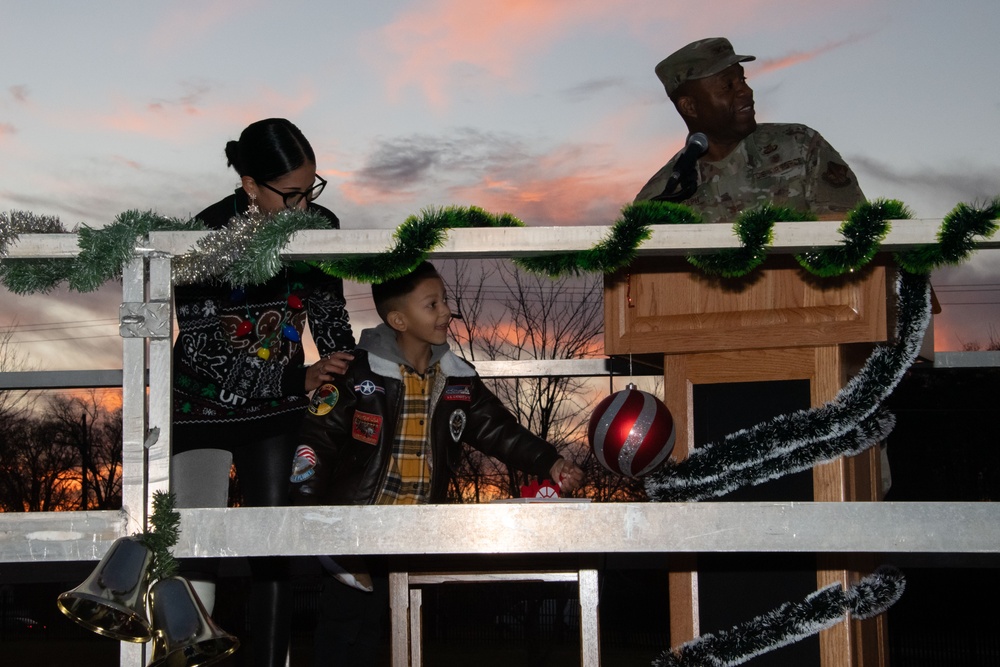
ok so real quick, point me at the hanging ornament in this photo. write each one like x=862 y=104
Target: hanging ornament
x=631 y=432
x=294 y=302
x=289 y=332
x=244 y=328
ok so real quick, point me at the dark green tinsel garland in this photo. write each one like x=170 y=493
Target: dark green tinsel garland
x=619 y=248
x=162 y=534
x=956 y=238
x=863 y=231
x=248 y=251
x=103 y=252
x=415 y=238
x=755 y=230
x=790 y=622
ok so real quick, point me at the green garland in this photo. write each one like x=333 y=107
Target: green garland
x=103 y=252
x=247 y=251
x=162 y=535
x=864 y=230
x=955 y=238
x=619 y=248
x=415 y=238
x=755 y=230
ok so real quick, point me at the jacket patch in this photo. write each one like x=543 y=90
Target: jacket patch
x=324 y=400
x=303 y=464
x=456 y=424
x=367 y=388
x=458 y=392
x=366 y=427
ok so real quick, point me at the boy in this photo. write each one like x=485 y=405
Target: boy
x=390 y=430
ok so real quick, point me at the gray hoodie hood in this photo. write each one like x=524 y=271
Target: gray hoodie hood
x=384 y=355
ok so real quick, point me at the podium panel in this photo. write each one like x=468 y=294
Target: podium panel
x=666 y=305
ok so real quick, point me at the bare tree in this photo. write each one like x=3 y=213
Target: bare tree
x=94 y=434
x=34 y=473
x=38 y=473
x=13 y=404
x=507 y=314
x=64 y=456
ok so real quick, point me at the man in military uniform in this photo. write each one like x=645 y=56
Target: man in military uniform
x=746 y=164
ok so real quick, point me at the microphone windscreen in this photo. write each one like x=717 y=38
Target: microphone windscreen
x=700 y=140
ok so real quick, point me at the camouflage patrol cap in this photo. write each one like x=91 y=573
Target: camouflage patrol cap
x=697 y=60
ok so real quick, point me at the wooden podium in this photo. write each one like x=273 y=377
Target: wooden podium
x=778 y=323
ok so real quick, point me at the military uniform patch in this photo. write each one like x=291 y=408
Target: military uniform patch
x=324 y=399
x=456 y=424
x=366 y=427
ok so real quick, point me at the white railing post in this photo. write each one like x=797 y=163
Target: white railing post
x=134 y=491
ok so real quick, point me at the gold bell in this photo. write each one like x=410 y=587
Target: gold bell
x=183 y=632
x=112 y=600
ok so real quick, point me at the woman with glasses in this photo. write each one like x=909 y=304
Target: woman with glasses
x=240 y=384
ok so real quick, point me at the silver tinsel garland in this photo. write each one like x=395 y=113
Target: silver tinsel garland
x=245 y=252
x=790 y=622
x=217 y=251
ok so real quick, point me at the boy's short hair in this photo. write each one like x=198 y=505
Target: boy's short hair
x=387 y=295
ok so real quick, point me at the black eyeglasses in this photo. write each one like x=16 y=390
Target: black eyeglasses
x=294 y=198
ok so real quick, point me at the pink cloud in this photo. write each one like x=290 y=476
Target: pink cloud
x=6 y=130
x=187 y=116
x=574 y=199
x=430 y=45
x=797 y=57
x=362 y=195
x=444 y=43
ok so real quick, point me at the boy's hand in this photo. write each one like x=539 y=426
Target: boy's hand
x=568 y=475
x=324 y=369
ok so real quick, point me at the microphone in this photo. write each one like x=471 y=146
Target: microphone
x=695 y=147
x=683 y=173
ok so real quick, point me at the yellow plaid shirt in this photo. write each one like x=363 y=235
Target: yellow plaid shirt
x=409 y=478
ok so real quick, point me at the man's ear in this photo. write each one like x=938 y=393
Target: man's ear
x=396 y=320
x=687 y=107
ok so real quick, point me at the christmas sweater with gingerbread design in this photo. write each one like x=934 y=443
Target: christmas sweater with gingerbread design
x=238 y=357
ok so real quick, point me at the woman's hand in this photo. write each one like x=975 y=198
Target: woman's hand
x=323 y=370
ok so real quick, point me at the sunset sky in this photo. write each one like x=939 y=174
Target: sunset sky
x=548 y=109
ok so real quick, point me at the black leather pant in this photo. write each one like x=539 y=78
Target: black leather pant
x=263 y=467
